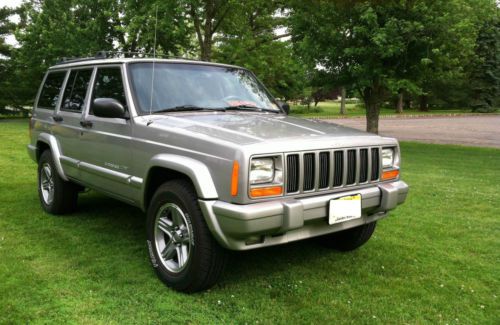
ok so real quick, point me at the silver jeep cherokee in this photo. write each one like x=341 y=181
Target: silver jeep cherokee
x=210 y=156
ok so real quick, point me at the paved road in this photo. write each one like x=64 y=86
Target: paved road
x=482 y=131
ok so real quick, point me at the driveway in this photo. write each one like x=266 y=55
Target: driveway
x=482 y=131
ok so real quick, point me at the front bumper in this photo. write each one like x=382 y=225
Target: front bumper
x=243 y=227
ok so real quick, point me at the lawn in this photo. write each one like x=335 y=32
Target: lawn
x=434 y=260
x=332 y=109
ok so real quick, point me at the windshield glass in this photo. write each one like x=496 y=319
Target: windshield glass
x=199 y=86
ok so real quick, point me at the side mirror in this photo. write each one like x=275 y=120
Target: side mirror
x=284 y=106
x=108 y=107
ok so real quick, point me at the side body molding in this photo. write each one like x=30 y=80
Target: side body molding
x=195 y=170
x=51 y=140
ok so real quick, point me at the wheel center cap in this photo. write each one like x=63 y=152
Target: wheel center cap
x=177 y=236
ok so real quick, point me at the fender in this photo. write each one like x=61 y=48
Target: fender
x=51 y=141
x=194 y=169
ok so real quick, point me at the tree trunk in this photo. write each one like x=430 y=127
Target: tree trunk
x=342 y=100
x=206 y=50
x=424 y=106
x=371 y=97
x=399 y=106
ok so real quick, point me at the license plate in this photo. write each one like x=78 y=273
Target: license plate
x=344 y=209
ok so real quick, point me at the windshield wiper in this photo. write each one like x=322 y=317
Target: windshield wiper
x=250 y=108
x=186 y=108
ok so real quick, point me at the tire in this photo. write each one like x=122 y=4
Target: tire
x=182 y=250
x=350 y=239
x=56 y=195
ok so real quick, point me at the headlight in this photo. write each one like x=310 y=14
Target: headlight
x=387 y=157
x=261 y=170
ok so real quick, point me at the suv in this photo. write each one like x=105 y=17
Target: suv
x=210 y=156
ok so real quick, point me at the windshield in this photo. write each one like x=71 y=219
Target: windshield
x=196 y=86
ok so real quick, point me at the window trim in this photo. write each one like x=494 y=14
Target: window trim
x=85 y=100
x=63 y=86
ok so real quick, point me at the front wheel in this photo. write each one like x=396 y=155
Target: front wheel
x=350 y=239
x=182 y=250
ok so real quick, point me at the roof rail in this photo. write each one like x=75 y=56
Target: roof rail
x=119 y=54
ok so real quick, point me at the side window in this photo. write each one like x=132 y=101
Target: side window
x=76 y=89
x=108 y=84
x=51 y=89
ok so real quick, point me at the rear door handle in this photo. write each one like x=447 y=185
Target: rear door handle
x=86 y=124
x=57 y=118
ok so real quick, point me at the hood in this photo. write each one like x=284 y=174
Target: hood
x=249 y=128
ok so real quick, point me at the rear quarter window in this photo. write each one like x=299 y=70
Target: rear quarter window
x=49 y=96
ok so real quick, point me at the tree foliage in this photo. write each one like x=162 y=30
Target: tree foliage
x=485 y=79
x=420 y=48
x=382 y=48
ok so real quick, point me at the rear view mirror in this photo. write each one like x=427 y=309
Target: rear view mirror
x=284 y=106
x=108 y=107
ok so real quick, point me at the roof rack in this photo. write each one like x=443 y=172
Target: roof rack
x=120 y=54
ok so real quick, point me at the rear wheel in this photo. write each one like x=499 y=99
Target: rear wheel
x=350 y=239
x=57 y=196
x=182 y=250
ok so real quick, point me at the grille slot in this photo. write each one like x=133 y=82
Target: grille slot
x=351 y=167
x=363 y=165
x=292 y=173
x=339 y=167
x=309 y=171
x=324 y=169
x=375 y=164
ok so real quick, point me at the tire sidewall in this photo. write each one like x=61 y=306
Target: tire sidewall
x=173 y=195
x=46 y=157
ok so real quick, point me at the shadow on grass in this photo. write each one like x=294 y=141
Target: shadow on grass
x=128 y=223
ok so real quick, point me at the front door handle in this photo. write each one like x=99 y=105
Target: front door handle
x=57 y=118
x=86 y=124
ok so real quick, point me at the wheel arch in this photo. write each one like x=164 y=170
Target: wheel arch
x=165 y=167
x=47 y=141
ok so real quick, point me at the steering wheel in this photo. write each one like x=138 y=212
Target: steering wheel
x=230 y=98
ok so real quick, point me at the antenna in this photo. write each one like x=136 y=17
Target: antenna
x=153 y=74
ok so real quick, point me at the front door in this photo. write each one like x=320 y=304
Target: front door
x=105 y=142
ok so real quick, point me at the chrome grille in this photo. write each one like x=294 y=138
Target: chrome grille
x=309 y=171
x=339 y=167
x=330 y=169
x=324 y=169
x=292 y=173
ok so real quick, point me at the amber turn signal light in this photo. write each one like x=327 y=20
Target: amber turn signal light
x=234 y=178
x=266 y=191
x=390 y=174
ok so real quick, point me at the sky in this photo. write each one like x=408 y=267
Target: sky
x=11 y=3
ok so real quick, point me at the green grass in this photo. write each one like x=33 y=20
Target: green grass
x=435 y=260
x=332 y=109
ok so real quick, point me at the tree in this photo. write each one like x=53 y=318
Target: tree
x=248 y=38
x=53 y=29
x=7 y=27
x=485 y=78
x=382 y=48
x=139 y=20
x=206 y=17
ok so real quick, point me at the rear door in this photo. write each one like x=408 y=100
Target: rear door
x=68 y=129
x=105 y=142
x=48 y=100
